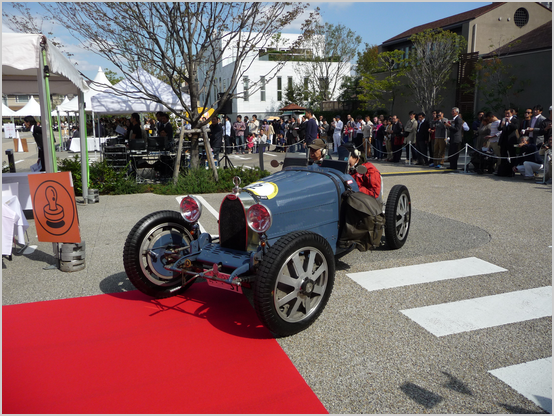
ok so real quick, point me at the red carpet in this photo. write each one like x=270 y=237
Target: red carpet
x=204 y=352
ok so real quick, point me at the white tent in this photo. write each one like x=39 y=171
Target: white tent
x=137 y=98
x=99 y=84
x=32 y=108
x=7 y=111
x=64 y=102
x=32 y=65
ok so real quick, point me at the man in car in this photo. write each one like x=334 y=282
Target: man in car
x=318 y=151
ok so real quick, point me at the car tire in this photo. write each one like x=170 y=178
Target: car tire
x=398 y=214
x=295 y=280
x=144 y=254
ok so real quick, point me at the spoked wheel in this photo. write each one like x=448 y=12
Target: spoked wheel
x=398 y=215
x=157 y=240
x=294 y=283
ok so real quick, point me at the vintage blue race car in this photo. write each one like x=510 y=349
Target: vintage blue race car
x=278 y=237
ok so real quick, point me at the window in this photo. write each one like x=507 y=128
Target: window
x=306 y=81
x=246 y=86
x=262 y=88
x=279 y=89
x=22 y=98
x=521 y=17
x=289 y=83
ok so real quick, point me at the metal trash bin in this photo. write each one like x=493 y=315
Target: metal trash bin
x=72 y=256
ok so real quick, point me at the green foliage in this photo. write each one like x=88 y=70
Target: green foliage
x=201 y=181
x=112 y=76
x=497 y=83
x=381 y=86
x=430 y=64
x=191 y=181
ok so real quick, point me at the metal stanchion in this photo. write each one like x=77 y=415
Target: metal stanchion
x=408 y=153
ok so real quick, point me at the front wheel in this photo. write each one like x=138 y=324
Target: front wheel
x=398 y=213
x=294 y=282
x=157 y=240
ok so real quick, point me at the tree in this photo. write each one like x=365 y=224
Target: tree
x=382 y=81
x=175 y=41
x=331 y=47
x=496 y=81
x=112 y=76
x=430 y=64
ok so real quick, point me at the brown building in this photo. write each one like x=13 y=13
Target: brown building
x=490 y=29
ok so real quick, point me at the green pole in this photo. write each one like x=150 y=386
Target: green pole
x=60 y=128
x=49 y=114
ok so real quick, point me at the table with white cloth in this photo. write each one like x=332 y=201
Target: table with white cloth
x=24 y=192
x=13 y=221
x=93 y=144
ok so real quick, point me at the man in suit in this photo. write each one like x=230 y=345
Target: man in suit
x=455 y=126
x=31 y=125
x=411 y=130
x=397 y=139
x=536 y=131
x=422 y=139
x=508 y=136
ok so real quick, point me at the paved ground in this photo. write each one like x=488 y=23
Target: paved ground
x=364 y=354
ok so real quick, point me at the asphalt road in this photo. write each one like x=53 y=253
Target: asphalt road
x=364 y=355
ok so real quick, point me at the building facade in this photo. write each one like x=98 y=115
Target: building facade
x=486 y=29
x=261 y=88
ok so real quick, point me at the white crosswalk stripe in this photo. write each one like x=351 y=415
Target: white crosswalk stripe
x=532 y=379
x=423 y=273
x=485 y=312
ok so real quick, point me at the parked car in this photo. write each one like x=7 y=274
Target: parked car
x=279 y=237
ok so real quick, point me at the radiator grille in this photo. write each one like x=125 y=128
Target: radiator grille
x=232 y=225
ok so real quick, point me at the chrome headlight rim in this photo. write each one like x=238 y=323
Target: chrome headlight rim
x=195 y=216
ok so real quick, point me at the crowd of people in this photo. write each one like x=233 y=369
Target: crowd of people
x=505 y=146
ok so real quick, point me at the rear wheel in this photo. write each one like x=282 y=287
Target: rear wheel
x=294 y=283
x=398 y=213
x=157 y=240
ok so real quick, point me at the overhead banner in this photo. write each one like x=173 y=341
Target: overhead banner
x=54 y=207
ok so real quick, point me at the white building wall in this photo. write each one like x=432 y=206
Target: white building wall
x=258 y=68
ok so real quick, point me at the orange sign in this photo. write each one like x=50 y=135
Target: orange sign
x=54 y=207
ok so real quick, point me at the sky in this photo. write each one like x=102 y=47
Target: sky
x=375 y=22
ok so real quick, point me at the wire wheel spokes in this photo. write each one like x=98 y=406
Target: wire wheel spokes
x=402 y=216
x=301 y=284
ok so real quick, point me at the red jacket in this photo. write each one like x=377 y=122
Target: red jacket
x=370 y=182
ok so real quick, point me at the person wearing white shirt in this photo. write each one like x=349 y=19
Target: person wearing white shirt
x=337 y=134
x=227 y=136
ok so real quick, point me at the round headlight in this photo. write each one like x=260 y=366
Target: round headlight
x=258 y=218
x=191 y=209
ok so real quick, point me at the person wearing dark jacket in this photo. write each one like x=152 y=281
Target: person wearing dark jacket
x=397 y=139
x=422 y=139
x=31 y=124
x=311 y=128
x=455 y=127
x=216 y=137
x=508 y=136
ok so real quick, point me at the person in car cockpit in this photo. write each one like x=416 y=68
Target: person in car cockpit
x=318 y=151
x=368 y=182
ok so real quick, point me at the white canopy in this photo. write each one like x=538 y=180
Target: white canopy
x=55 y=111
x=32 y=108
x=137 y=99
x=20 y=60
x=7 y=111
x=99 y=84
